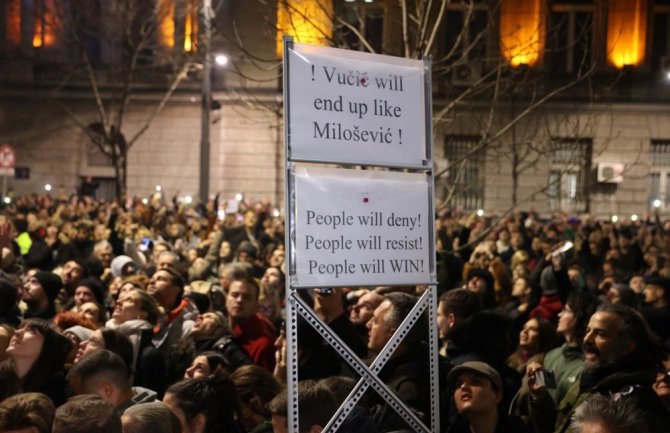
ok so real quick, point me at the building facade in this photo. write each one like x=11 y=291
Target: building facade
x=546 y=104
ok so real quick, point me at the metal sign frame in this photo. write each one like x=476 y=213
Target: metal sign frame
x=296 y=306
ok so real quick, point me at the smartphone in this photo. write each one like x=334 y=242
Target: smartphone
x=546 y=378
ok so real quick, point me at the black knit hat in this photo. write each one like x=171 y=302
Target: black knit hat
x=51 y=284
x=96 y=289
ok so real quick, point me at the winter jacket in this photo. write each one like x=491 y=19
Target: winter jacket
x=566 y=362
x=631 y=377
x=257 y=336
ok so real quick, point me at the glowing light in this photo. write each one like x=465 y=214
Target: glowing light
x=308 y=21
x=191 y=25
x=159 y=188
x=275 y=213
x=626 y=32
x=221 y=59
x=166 y=23
x=45 y=24
x=145 y=201
x=615 y=218
x=657 y=203
x=47 y=187
x=188 y=199
x=480 y=212
x=7 y=200
x=522 y=31
x=14 y=23
x=239 y=196
x=633 y=217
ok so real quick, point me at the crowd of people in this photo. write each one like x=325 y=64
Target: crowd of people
x=158 y=316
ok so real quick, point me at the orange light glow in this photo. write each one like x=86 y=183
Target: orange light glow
x=14 y=24
x=46 y=20
x=626 y=32
x=522 y=31
x=191 y=25
x=308 y=21
x=166 y=26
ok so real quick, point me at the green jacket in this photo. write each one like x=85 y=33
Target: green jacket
x=566 y=362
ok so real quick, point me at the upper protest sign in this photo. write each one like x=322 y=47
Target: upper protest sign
x=358 y=108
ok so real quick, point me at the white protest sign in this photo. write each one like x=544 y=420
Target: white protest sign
x=355 y=227
x=360 y=108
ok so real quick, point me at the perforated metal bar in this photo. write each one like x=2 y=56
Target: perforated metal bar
x=434 y=361
x=363 y=370
x=361 y=387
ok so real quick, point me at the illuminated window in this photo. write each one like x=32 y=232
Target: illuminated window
x=659 y=174
x=308 y=21
x=13 y=24
x=522 y=31
x=166 y=23
x=569 y=174
x=626 y=32
x=466 y=170
x=191 y=25
x=45 y=23
x=570 y=37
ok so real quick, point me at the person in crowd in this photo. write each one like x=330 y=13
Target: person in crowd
x=6 y=333
x=480 y=281
x=76 y=334
x=152 y=417
x=88 y=290
x=211 y=333
x=359 y=419
x=167 y=288
x=37 y=355
x=250 y=330
x=317 y=405
x=536 y=338
x=206 y=364
x=362 y=311
x=206 y=405
x=109 y=339
x=477 y=394
x=454 y=307
x=106 y=374
x=662 y=384
x=604 y=414
x=256 y=387
x=402 y=373
x=86 y=414
x=39 y=293
x=9 y=295
x=135 y=314
x=329 y=305
x=620 y=357
x=566 y=361
x=29 y=412
x=73 y=273
x=656 y=309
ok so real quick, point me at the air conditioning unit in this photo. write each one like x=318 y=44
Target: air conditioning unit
x=610 y=172
x=467 y=74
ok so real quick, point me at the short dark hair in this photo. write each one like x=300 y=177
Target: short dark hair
x=317 y=404
x=635 y=328
x=30 y=409
x=402 y=304
x=462 y=303
x=176 y=279
x=251 y=282
x=86 y=414
x=255 y=381
x=583 y=305
x=101 y=363
x=213 y=396
x=119 y=344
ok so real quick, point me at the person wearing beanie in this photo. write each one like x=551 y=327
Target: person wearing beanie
x=89 y=290
x=39 y=294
